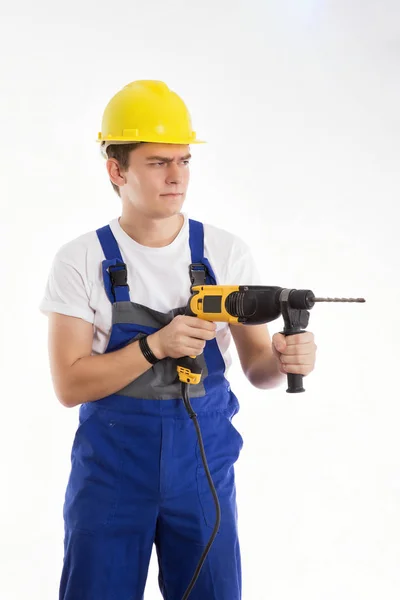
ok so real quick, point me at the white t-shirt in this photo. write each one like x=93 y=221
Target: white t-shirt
x=157 y=277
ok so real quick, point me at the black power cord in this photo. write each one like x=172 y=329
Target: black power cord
x=193 y=416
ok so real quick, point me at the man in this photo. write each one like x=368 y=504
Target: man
x=115 y=299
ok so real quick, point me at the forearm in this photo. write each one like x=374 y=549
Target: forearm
x=93 y=377
x=264 y=371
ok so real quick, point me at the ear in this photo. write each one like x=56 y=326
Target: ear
x=114 y=172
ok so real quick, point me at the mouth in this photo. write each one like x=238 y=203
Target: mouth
x=180 y=194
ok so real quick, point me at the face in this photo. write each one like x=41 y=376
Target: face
x=156 y=171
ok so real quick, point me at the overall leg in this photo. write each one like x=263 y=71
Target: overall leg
x=111 y=507
x=107 y=565
x=187 y=514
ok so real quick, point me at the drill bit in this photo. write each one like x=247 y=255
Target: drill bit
x=338 y=299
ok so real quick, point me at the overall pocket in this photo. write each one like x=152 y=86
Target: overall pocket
x=222 y=445
x=91 y=497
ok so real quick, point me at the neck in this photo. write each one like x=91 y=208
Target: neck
x=151 y=232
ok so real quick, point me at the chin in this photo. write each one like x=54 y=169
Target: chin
x=167 y=211
x=173 y=206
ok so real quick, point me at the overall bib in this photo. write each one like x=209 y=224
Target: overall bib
x=137 y=477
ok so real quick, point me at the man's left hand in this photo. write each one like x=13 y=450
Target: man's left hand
x=296 y=353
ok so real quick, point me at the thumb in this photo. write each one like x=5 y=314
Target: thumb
x=279 y=342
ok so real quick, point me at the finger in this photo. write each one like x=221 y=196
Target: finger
x=193 y=352
x=297 y=369
x=299 y=338
x=200 y=334
x=278 y=342
x=275 y=352
x=201 y=324
x=299 y=349
x=295 y=360
x=194 y=345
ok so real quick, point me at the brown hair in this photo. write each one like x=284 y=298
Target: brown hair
x=121 y=152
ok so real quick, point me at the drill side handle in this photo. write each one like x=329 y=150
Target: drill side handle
x=294 y=380
x=295 y=383
x=293 y=305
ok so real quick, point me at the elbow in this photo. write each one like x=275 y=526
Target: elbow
x=264 y=380
x=66 y=402
x=68 y=388
x=263 y=371
x=65 y=399
x=66 y=395
x=261 y=384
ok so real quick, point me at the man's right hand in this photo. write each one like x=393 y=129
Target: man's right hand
x=184 y=336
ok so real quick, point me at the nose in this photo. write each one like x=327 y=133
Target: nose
x=174 y=173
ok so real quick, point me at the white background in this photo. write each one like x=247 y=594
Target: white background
x=299 y=103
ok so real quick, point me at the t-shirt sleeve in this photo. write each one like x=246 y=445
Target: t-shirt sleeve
x=241 y=268
x=66 y=291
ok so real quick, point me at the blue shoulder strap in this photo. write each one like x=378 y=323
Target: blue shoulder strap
x=114 y=268
x=200 y=265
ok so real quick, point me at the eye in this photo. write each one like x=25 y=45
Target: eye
x=187 y=162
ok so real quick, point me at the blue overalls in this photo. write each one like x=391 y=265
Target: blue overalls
x=137 y=477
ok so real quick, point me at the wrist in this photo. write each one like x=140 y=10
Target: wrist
x=153 y=342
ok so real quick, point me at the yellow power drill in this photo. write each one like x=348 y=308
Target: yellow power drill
x=251 y=305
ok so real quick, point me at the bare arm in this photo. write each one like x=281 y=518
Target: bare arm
x=79 y=377
x=257 y=357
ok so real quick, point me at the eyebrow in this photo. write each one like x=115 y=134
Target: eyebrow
x=167 y=159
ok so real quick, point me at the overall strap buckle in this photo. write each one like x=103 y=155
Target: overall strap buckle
x=198 y=274
x=118 y=276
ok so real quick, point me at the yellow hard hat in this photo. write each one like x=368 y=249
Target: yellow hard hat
x=147 y=111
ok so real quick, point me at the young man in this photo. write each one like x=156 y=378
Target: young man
x=136 y=476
